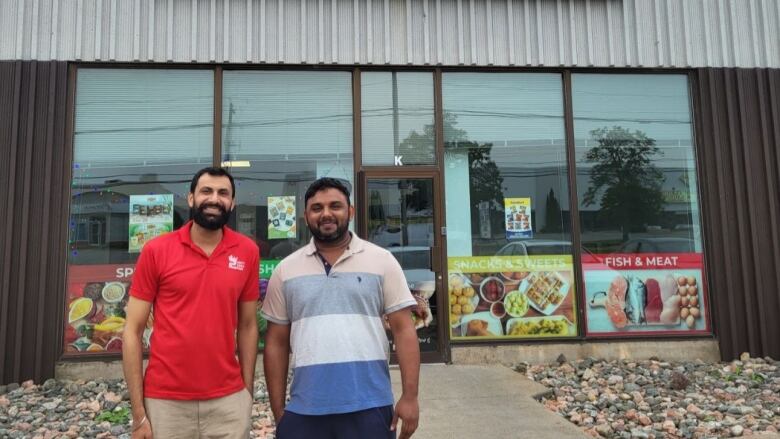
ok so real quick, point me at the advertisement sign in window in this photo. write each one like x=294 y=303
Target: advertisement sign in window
x=662 y=293
x=512 y=297
x=517 y=212
x=281 y=217
x=150 y=216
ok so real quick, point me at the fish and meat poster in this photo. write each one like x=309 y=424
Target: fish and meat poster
x=662 y=294
x=517 y=216
x=281 y=217
x=150 y=216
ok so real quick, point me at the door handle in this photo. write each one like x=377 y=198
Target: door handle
x=436 y=259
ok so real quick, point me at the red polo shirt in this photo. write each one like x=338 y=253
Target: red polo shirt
x=195 y=301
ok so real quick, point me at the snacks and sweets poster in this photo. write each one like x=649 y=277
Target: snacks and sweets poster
x=150 y=216
x=517 y=216
x=95 y=311
x=511 y=297
x=282 y=222
x=645 y=293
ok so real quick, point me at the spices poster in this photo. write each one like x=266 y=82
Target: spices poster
x=512 y=297
x=645 y=293
x=517 y=215
x=95 y=308
x=150 y=216
x=282 y=222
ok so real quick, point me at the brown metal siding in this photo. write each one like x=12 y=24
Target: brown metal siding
x=738 y=141
x=34 y=177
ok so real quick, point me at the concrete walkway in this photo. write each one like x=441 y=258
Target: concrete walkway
x=483 y=402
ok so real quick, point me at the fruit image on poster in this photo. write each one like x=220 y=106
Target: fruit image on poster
x=282 y=222
x=517 y=216
x=150 y=216
x=645 y=293
x=95 y=311
x=504 y=297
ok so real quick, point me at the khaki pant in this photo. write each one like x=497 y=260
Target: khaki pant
x=226 y=417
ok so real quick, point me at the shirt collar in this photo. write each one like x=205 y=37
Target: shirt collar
x=355 y=246
x=229 y=237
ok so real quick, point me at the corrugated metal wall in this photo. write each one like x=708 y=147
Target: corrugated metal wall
x=651 y=33
x=738 y=142
x=34 y=177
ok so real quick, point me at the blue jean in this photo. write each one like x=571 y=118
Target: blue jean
x=371 y=423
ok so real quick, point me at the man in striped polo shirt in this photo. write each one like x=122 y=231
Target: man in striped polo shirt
x=325 y=303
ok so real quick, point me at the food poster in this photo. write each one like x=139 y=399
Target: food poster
x=96 y=303
x=150 y=216
x=282 y=222
x=645 y=293
x=517 y=215
x=511 y=297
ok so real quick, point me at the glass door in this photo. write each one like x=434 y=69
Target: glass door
x=399 y=214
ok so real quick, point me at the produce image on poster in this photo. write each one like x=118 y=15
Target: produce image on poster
x=512 y=297
x=96 y=308
x=150 y=216
x=282 y=222
x=645 y=293
x=517 y=215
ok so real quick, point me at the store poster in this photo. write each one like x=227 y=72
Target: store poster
x=282 y=222
x=629 y=294
x=95 y=311
x=512 y=297
x=517 y=215
x=267 y=267
x=150 y=217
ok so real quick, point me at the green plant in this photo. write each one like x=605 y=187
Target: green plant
x=120 y=415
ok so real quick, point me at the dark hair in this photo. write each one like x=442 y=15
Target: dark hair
x=325 y=183
x=214 y=172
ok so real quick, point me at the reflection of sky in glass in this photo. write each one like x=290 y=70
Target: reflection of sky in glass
x=135 y=117
x=415 y=111
x=286 y=112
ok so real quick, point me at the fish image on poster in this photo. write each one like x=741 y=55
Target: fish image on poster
x=282 y=223
x=517 y=218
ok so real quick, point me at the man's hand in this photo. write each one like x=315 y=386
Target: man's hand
x=144 y=431
x=407 y=410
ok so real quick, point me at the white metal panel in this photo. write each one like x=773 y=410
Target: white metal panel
x=667 y=33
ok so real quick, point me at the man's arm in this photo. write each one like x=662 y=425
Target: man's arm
x=276 y=359
x=408 y=350
x=132 y=363
x=247 y=342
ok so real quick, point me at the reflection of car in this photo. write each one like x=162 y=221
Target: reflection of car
x=416 y=263
x=535 y=247
x=658 y=245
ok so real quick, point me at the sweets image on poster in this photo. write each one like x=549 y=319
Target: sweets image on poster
x=96 y=307
x=517 y=218
x=150 y=216
x=632 y=300
x=511 y=297
x=282 y=222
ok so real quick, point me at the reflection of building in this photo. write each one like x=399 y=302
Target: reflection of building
x=329 y=101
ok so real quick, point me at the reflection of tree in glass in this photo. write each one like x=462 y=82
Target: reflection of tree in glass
x=624 y=177
x=417 y=149
x=486 y=182
x=552 y=217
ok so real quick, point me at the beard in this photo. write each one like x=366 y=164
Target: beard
x=334 y=236
x=210 y=222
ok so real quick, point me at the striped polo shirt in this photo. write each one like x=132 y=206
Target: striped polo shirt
x=339 y=347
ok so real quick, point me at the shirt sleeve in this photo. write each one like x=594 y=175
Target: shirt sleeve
x=275 y=305
x=145 y=276
x=251 y=291
x=396 y=290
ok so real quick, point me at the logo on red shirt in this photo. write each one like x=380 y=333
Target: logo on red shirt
x=235 y=264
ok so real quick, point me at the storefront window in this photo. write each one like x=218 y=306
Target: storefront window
x=140 y=135
x=397 y=118
x=281 y=131
x=639 y=209
x=508 y=227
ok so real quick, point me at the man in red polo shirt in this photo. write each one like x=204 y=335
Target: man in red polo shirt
x=203 y=282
